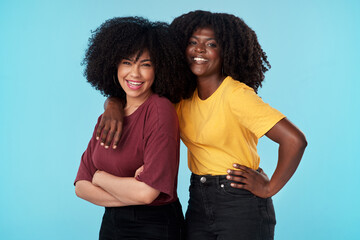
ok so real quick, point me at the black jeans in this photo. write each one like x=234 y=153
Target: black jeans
x=143 y=222
x=218 y=211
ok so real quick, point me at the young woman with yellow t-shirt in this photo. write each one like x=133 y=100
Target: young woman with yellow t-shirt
x=230 y=196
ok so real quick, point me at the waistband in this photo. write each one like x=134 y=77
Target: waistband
x=170 y=213
x=173 y=205
x=208 y=179
x=216 y=182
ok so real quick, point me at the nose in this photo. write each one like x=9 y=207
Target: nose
x=200 y=48
x=134 y=72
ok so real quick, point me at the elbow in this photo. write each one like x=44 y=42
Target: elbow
x=147 y=200
x=302 y=142
x=78 y=191
x=299 y=141
x=147 y=197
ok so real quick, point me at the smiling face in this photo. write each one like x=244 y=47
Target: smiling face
x=203 y=53
x=136 y=76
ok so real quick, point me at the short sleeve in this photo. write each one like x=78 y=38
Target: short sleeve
x=161 y=150
x=87 y=169
x=252 y=112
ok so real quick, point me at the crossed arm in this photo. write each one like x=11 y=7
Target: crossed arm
x=111 y=191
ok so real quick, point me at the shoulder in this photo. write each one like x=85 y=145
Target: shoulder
x=160 y=104
x=161 y=113
x=238 y=91
x=233 y=85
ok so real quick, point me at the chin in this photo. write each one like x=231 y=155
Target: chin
x=198 y=72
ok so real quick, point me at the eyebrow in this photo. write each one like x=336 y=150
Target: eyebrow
x=144 y=60
x=206 y=39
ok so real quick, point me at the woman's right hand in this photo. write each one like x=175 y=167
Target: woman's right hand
x=246 y=178
x=110 y=126
x=139 y=171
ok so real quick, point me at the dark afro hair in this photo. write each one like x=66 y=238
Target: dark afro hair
x=243 y=57
x=125 y=37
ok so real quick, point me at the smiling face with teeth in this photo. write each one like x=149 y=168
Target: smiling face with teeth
x=136 y=76
x=203 y=53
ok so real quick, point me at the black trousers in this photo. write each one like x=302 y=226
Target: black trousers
x=143 y=222
x=217 y=211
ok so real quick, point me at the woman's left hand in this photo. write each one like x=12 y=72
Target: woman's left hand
x=256 y=182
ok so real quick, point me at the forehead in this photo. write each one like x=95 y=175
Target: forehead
x=140 y=55
x=205 y=32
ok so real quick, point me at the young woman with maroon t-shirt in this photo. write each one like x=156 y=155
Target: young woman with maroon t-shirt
x=136 y=61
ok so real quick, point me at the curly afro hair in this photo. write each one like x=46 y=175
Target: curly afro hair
x=124 y=37
x=242 y=56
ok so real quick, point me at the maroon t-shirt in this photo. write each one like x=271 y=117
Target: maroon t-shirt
x=150 y=137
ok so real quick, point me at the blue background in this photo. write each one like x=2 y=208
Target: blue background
x=48 y=111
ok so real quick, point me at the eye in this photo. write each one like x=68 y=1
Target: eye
x=146 y=65
x=125 y=62
x=192 y=42
x=213 y=45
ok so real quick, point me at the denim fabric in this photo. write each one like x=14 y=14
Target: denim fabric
x=218 y=211
x=143 y=222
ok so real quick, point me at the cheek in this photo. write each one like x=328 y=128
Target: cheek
x=188 y=51
x=121 y=72
x=216 y=56
x=150 y=76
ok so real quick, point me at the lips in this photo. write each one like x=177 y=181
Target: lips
x=134 y=84
x=199 y=60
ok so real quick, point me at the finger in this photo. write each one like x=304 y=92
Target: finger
x=262 y=172
x=235 y=172
x=109 y=138
x=99 y=128
x=242 y=167
x=237 y=185
x=110 y=134
x=104 y=135
x=116 y=138
x=235 y=179
x=117 y=135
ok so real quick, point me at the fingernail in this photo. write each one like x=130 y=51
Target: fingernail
x=228 y=171
x=97 y=138
x=228 y=177
x=102 y=144
x=232 y=184
x=114 y=147
x=106 y=147
x=234 y=165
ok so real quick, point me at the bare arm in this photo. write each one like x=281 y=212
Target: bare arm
x=292 y=144
x=126 y=189
x=96 y=195
x=110 y=126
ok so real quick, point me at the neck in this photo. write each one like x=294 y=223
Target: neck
x=207 y=85
x=133 y=103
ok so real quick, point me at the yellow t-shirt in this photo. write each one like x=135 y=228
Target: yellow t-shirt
x=224 y=128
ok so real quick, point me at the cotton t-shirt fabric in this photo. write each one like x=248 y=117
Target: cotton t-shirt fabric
x=150 y=137
x=224 y=128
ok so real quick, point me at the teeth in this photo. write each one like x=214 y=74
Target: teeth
x=135 y=83
x=200 y=59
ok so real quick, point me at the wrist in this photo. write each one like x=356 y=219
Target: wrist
x=270 y=190
x=114 y=101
